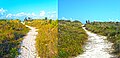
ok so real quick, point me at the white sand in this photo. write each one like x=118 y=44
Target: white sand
x=96 y=47
x=27 y=49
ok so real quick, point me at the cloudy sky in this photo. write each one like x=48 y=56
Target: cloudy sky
x=13 y=9
x=93 y=10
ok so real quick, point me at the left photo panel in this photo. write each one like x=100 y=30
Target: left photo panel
x=28 y=28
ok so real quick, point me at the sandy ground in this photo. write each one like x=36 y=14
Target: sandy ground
x=96 y=47
x=27 y=49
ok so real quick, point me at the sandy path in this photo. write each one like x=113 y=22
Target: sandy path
x=27 y=49
x=96 y=47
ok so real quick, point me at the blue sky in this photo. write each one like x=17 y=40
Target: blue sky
x=32 y=8
x=93 y=10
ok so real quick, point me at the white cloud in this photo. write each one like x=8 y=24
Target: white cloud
x=9 y=15
x=64 y=18
x=70 y=18
x=95 y=20
x=48 y=12
x=33 y=14
x=2 y=11
x=20 y=14
x=52 y=16
x=117 y=20
x=54 y=12
x=42 y=13
x=111 y=19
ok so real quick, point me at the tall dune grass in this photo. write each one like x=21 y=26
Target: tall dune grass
x=47 y=38
x=71 y=38
x=11 y=33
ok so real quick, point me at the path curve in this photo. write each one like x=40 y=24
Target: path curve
x=97 y=46
x=27 y=49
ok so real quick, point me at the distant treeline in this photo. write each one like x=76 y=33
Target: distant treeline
x=3 y=19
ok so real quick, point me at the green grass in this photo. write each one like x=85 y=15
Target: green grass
x=11 y=33
x=59 y=39
x=71 y=38
x=109 y=29
x=47 y=38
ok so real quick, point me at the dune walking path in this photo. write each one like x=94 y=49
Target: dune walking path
x=27 y=49
x=97 y=46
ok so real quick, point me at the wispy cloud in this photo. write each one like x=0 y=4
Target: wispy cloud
x=63 y=18
x=9 y=15
x=2 y=11
x=117 y=20
x=70 y=18
x=21 y=14
x=42 y=13
x=51 y=15
x=113 y=19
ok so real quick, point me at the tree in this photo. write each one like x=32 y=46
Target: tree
x=45 y=18
x=29 y=18
x=25 y=19
x=86 y=22
x=50 y=21
x=117 y=28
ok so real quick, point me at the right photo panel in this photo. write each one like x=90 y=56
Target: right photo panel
x=88 y=29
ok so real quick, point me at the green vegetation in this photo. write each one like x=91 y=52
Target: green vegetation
x=71 y=38
x=47 y=38
x=11 y=33
x=109 y=29
x=51 y=43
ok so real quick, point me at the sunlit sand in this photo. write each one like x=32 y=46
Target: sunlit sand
x=96 y=47
x=27 y=49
